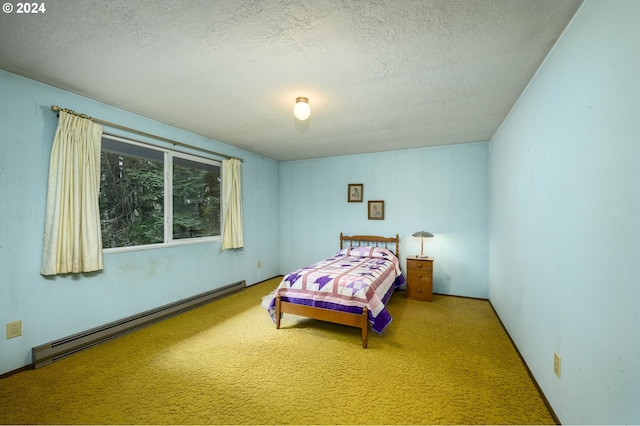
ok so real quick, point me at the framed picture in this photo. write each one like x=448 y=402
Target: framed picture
x=376 y=210
x=355 y=192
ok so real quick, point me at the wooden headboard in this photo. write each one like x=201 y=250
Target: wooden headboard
x=371 y=240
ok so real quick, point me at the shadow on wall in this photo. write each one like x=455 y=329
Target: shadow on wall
x=441 y=279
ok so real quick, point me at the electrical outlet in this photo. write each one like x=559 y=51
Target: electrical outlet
x=14 y=329
x=259 y=264
x=556 y=364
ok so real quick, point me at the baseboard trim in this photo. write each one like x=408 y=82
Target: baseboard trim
x=49 y=352
x=533 y=379
x=268 y=279
x=16 y=371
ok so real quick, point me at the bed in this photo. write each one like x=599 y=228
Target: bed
x=351 y=287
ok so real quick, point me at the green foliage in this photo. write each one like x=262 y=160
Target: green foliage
x=132 y=201
x=196 y=203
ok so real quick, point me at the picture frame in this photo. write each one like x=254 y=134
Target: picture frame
x=355 y=193
x=376 y=210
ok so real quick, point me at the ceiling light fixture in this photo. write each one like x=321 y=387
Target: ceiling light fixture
x=302 y=110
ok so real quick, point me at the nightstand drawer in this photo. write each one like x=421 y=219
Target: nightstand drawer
x=419 y=264
x=419 y=276
x=420 y=289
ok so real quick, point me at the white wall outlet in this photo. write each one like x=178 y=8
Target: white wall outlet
x=556 y=364
x=14 y=329
x=259 y=264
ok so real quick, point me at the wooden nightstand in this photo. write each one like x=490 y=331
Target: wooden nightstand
x=420 y=278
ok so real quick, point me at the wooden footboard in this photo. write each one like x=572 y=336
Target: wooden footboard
x=345 y=318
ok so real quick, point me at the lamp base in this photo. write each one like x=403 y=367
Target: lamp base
x=421 y=256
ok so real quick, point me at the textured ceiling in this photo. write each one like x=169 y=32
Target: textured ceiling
x=379 y=74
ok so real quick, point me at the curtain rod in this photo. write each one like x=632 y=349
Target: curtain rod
x=56 y=108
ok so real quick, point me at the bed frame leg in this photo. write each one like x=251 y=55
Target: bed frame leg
x=365 y=328
x=278 y=312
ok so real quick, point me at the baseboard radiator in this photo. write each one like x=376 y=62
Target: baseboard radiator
x=58 y=349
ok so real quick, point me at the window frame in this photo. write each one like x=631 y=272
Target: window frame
x=168 y=155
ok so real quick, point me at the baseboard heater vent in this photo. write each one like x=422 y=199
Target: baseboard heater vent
x=58 y=349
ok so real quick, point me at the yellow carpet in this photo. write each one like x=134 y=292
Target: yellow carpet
x=445 y=362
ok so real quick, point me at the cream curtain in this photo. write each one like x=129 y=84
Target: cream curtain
x=72 y=235
x=232 y=236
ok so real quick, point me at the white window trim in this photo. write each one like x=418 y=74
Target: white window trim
x=169 y=241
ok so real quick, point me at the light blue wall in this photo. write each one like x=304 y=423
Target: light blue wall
x=557 y=264
x=132 y=282
x=443 y=190
x=565 y=221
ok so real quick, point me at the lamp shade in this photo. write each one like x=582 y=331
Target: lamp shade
x=423 y=234
x=302 y=110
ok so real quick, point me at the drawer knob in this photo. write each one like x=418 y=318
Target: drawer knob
x=419 y=275
x=419 y=290
x=419 y=265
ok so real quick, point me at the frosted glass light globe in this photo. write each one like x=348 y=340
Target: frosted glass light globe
x=302 y=110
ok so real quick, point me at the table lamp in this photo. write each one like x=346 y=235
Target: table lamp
x=422 y=235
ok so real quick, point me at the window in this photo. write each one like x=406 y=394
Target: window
x=196 y=199
x=134 y=210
